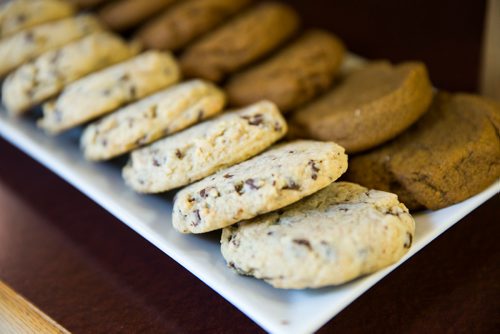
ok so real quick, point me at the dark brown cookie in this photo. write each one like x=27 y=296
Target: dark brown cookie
x=186 y=21
x=294 y=76
x=372 y=106
x=241 y=41
x=449 y=155
x=125 y=14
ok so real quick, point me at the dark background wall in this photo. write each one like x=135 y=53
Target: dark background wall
x=445 y=34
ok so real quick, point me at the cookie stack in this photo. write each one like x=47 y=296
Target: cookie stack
x=284 y=216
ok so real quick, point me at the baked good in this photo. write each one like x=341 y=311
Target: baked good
x=47 y=75
x=186 y=21
x=18 y=15
x=156 y=116
x=449 y=155
x=104 y=91
x=372 y=105
x=205 y=148
x=333 y=236
x=276 y=178
x=23 y=46
x=125 y=14
x=293 y=76
x=241 y=41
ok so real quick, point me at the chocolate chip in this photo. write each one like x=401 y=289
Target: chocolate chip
x=190 y=199
x=239 y=188
x=29 y=36
x=343 y=209
x=21 y=18
x=270 y=233
x=277 y=127
x=156 y=163
x=104 y=142
x=291 y=186
x=315 y=169
x=203 y=193
x=200 y=115
x=303 y=242
x=178 y=154
x=408 y=243
x=197 y=217
x=291 y=152
x=133 y=92
x=236 y=242
x=142 y=140
x=256 y=119
x=228 y=176
x=251 y=184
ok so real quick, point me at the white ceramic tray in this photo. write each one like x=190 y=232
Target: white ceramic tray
x=277 y=311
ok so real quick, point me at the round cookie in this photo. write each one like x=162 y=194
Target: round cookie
x=449 y=155
x=241 y=41
x=151 y=118
x=333 y=236
x=18 y=15
x=292 y=77
x=276 y=178
x=47 y=75
x=186 y=21
x=205 y=148
x=372 y=105
x=125 y=14
x=104 y=91
x=23 y=46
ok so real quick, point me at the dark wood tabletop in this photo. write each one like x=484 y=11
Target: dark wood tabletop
x=92 y=274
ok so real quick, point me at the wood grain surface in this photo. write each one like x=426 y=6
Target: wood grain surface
x=18 y=316
x=92 y=274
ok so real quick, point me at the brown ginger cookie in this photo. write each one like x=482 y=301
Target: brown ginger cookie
x=372 y=106
x=185 y=21
x=125 y=14
x=294 y=76
x=241 y=41
x=449 y=155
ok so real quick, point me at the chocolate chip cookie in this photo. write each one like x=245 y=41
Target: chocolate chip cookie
x=155 y=116
x=47 y=75
x=333 y=236
x=108 y=89
x=205 y=148
x=276 y=178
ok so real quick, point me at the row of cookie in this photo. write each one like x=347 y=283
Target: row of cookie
x=203 y=149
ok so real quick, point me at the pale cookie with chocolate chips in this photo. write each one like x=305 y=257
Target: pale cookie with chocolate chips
x=205 y=148
x=104 y=91
x=278 y=177
x=333 y=236
x=24 y=46
x=154 y=117
x=46 y=76
x=18 y=15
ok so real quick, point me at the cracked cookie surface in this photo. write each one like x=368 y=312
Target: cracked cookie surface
x=44 y=77
x=333 y=236
x=449 y=155
x=205 y=148
x=154 y=117
x=104 y=91
x=276 y=178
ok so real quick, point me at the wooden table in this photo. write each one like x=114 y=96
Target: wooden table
x=92 y=274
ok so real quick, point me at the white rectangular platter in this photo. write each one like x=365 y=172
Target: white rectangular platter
x=277 y=311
